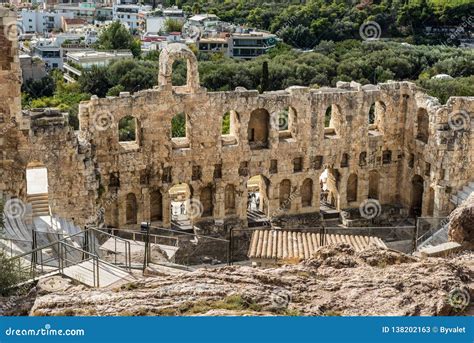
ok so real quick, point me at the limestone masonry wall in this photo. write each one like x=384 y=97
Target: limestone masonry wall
x=415 y=152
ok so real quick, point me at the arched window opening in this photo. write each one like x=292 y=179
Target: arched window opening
x=329 y=192
x=37 y=189
x=128 y=129
x=352 y=188
x=423 y=122
x=183 y=207
x=376 y=114
x=283 y=120
x=307 y=193
x=287 y=123
x=178 y=126
x=417 y=185
x=257 y=201
x=156 y=206
x=332 y=119
x=230 y=127
x=258 y=129
x=36 y=179
x=180 y=72
x=207 y=201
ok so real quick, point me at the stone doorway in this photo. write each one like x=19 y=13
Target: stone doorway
x=417 y=196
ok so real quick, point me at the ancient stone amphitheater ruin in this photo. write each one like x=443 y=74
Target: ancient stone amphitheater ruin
x=414 y=152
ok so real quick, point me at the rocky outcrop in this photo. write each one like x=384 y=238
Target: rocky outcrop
x=461 y=224
x=337 y=281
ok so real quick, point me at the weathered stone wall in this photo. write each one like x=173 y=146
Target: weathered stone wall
x=41 y=138
x=92 y=169
x=388 y=146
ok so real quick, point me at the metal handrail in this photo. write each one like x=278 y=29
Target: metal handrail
x=189 y=234
x=128 y=262
x=134 y=233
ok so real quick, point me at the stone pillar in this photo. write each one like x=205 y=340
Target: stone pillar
x=241 y=201
x=219 y=202
x=166 y=210
x=342 y=202
x=144 y=210
x=316 y=195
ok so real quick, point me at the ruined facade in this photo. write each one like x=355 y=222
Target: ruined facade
x=390 y=142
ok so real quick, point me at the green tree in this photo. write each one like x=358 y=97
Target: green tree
x=115 y=37
x=95 y=81
x=173 y=25
x=39 y=88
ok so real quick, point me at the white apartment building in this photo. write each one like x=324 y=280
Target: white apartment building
x=84 y=60
x=128 y=13
x=51 y=50
x=39 y=21
x=154 y=22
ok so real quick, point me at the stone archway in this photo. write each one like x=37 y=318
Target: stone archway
x=168 y=56
x=156 y=206
x=258 y=189
x=206 y=198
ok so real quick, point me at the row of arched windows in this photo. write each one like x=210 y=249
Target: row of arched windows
x=206 y=198
x=259 y=123
x=352 y=186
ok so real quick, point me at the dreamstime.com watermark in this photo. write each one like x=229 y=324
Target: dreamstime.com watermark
x=45 y=331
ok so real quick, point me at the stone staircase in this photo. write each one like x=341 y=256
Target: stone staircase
x=462 y=194
x=39 y=204
x=440 y=236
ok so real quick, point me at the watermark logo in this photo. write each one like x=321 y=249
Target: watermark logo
x=370 y=30
x=370 y=208
x=280 y=298
x=13 y=31
x=459 y=120
x=14 y=208
x=193 y=32
x=194 y=208
x=459 y=298
x=280 y=120
x=103 y=121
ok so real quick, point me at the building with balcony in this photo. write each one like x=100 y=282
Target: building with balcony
x=38 y=21
x=251 y=44
x=77 y=62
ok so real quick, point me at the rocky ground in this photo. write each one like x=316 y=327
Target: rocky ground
x=337 y=281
